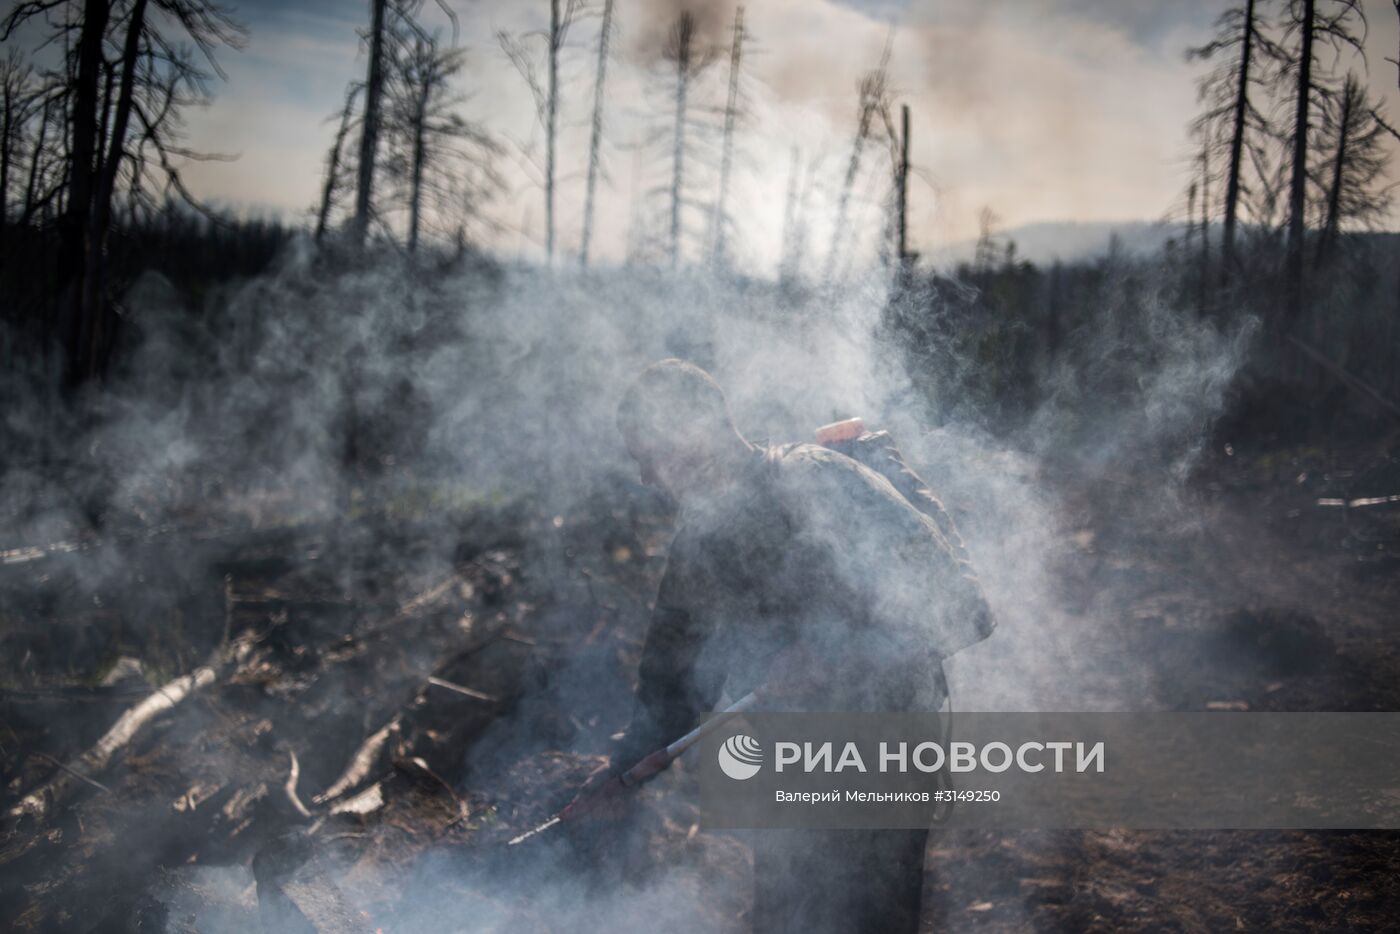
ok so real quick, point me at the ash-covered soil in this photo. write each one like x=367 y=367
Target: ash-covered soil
x=1249 y=590
x=393 y=701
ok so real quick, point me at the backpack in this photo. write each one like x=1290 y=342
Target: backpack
x=877 y=451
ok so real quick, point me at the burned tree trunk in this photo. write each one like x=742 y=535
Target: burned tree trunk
x=595 y=140
x=81 y=184
x=683 y=39
x=415 y=190
x=872 y=96
x=94 y=309
x=727 y=155
x=333 y=165
x=556 y=39
x=13 y=87
x=903 y=183
x=1241 y=114
x=852 y=168
x=1358 y=157
x=369 y=125
x=1203 y=273
x=1297 y=189
x=1332 y=222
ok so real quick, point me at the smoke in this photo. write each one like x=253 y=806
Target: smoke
x=713 y=23
x=337 y=393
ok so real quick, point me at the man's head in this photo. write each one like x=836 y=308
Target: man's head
x=676 y=423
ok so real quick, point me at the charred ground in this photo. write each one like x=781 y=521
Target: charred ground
x=1265 y=601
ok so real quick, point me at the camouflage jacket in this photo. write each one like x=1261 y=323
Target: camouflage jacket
x=807 y=546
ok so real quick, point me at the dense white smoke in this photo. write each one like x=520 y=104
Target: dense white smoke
x=326 y=392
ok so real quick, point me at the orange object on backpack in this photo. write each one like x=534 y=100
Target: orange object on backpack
x=847 y=430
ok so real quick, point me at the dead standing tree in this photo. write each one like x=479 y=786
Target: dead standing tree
x=16 y=106
x=690 y=51
x=680 y=48
x=1203 y=262
x=1309 y=24
x=719 y=219
x=426 y=72
x=393 y=24
x=145 y=89
x=1355 y=193
x=596 y=134
x=873 y=101
x=335 y=159
x=369 y=123
x=426 y=129
x=107 y=176
x=561 y=18
x=88 y=20
x=1231 y=118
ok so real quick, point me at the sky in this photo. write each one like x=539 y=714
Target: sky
x=1042 y=110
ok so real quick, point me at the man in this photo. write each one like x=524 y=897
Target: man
x=798 y=569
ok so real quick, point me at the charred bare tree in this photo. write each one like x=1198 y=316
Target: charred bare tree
x=152 y=80
x=1310 y=23
x=393 y=29
x=1231 y=116
x=596 y=135
x=1355 y=192
x=74 y=227
x=1203 y=263
x=333 y=162
x=1241 y=113
x=556 y=39
x=902 y=182
x=561 y=18
x=16 y=101
x=425 y=73
x=719 y=221
x=102 y=207
x=680 y=49
x=1297 y=187
x=427 y=132
x=369 y=123
x=873 y=99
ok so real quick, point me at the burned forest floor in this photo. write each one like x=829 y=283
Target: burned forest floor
x=352 y=718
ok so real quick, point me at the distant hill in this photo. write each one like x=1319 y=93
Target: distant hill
x=1048 y=241
x=1068 y=241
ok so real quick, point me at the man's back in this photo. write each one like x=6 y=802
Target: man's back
x=806 y=547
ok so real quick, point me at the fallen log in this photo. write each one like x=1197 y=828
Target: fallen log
x=41 y=802
x=361 y=762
